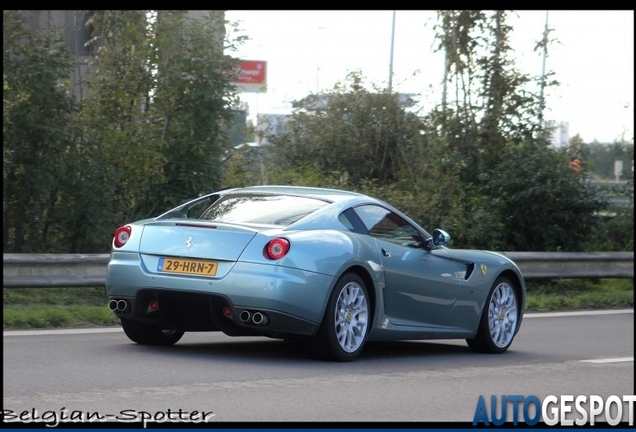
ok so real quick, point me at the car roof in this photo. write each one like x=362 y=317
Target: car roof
x=332 y=195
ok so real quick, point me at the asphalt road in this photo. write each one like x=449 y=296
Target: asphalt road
x=99 y=371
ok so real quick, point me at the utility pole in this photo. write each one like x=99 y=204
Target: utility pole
x=544 y=43
x=391 y=58
x=318 y=52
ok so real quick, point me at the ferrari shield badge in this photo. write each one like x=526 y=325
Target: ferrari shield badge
x=484 y=269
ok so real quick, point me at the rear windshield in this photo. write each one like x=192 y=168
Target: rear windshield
x=262 y=209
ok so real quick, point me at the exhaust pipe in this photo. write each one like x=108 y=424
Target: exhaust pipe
x=245 y=316
x=259 y=319
x=118 y=305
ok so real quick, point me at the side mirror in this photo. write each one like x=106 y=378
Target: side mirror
x=440 y=238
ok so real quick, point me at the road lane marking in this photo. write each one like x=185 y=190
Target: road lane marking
x=578 y=313
x=610 y=360
x=61 y=332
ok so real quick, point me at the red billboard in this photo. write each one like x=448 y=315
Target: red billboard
x=251 y=76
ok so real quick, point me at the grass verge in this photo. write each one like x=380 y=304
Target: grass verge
x=37 y=308
x=34 y=308
x=579 y=294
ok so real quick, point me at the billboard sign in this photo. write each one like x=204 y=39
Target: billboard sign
x=251 y=76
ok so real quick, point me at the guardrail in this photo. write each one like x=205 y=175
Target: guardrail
x=89 y=270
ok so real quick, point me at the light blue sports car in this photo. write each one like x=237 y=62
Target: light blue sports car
x=331 y=268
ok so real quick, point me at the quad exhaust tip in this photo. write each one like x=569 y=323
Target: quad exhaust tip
x=259 y=319
x=118 y=305
x=256 y=318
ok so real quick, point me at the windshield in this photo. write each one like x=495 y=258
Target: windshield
x=262 y=209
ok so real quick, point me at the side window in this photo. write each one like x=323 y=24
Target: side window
x=351 y=221
x=345 y=221
x=388 y=226
x=197 y=209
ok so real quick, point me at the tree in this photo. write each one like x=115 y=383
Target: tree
x=494 y=105
x=148 y=134
x=194 y=98
x=162 y=93
x=544 y=205
x=37 y=131
x=497 y=134
x=359 y=134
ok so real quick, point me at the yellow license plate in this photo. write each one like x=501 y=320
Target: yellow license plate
x=187 y=266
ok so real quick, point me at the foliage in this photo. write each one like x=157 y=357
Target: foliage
x=162 y=93
x=493 y=104
x=369 y=135
x=573 y=294
x=245 y=166
x=37 y=131
x=617 y=233
x=476 y=165
x=546 y=206
x=152 y=132
x=601 y=158
x=497 y=134
x=194 y=102
x=39 y=316
x=56 y=307
x=149 y=133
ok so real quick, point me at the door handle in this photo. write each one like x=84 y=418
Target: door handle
x=385 y=253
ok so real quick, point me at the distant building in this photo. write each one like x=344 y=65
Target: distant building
x=315 y=102
x=74 y=26
x=560 y=134
x=268 y=124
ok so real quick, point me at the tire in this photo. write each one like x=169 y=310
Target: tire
x=499 y=318
x=150 y=334
x=345 y=326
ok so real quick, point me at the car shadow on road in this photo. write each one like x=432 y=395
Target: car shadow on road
x=241 y=350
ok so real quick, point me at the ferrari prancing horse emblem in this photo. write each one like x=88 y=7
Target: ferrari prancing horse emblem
x=483 y=269
x=189 y=242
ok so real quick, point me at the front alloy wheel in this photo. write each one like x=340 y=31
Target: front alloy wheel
x=498 y=324
x=346 y=323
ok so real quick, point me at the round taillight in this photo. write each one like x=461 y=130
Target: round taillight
x=121 y=236
x=277 y=248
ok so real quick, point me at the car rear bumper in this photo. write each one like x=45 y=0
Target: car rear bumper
x=292 y=300
x=196 y=311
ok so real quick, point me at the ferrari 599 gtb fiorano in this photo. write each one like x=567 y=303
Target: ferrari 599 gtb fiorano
x=331 y=268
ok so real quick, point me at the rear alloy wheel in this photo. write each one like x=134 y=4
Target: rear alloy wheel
x=150 y=334
x=499 y=319
x=345 y=326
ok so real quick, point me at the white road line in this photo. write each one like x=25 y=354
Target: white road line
x=61 y=332
x=610 y=360
x=577 y=313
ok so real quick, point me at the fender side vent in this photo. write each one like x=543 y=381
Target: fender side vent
x=469 y=270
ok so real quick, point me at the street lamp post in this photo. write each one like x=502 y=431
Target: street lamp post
x=318 y=48
x=391 y=56
x=544 y=42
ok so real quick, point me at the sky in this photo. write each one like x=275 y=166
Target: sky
x=310 y=51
